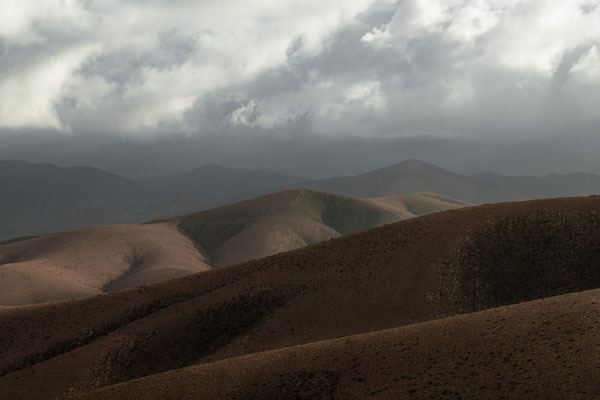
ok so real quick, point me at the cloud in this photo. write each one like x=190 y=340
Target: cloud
x=161 y=55
x=28 y=93
x=148 y=71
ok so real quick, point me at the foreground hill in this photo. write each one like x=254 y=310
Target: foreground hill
x=540 y=349
x=421 y=269
x=96 y=260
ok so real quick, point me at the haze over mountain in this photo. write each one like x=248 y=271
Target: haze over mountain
x=416 y=176
x=90 y=261
x=44 y=198
x=209 y=186
x=335 y=318
x=38 y=198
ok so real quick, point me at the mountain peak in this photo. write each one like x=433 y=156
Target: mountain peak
x=412 y=166
x=413 y=162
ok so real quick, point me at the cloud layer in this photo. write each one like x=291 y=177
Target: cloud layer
x=366 y=67
x=232 y=83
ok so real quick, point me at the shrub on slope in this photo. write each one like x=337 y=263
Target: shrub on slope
x=523 y=257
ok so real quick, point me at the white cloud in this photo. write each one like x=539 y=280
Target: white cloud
x=21 y=21
x=587 y=69
x=525 y=34
x=231 y=42
x=535 y=34
x=139 y=67
x=366 y=94
x=27 y=94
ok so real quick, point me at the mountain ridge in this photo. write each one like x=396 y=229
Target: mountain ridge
x=57 y=198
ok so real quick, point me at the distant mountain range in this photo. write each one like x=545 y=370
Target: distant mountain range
x=42 y=198
x=486 y=187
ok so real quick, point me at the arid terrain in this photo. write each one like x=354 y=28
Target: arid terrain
x=91 y=261
x=540 y=349
x=102 y=259
x=440 y=306
x=292 y=219
x=316 y=200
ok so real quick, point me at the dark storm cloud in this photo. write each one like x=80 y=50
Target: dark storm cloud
x=308 y=155
x=289 y=87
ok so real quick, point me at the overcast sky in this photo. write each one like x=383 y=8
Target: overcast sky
x=146 y=87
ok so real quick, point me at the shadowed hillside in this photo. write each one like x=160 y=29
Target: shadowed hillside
x=387 y=277
x=288 y=220
x=96 y=260
x=541 y=349
x=43 y=198
x=523 y=257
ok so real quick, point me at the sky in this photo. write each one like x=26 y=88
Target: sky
x=313 y=88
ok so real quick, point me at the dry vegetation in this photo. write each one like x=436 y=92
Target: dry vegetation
x=523 y=257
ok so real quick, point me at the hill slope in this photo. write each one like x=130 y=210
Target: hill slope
x=540 y=349
x=288 y=220
x=96 y=260
x=413 y=271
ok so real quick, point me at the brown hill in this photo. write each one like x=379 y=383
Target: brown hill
x=288 y=220
x=400 y=274
x=540 y=349
x=96 y=260
x=91 y=261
